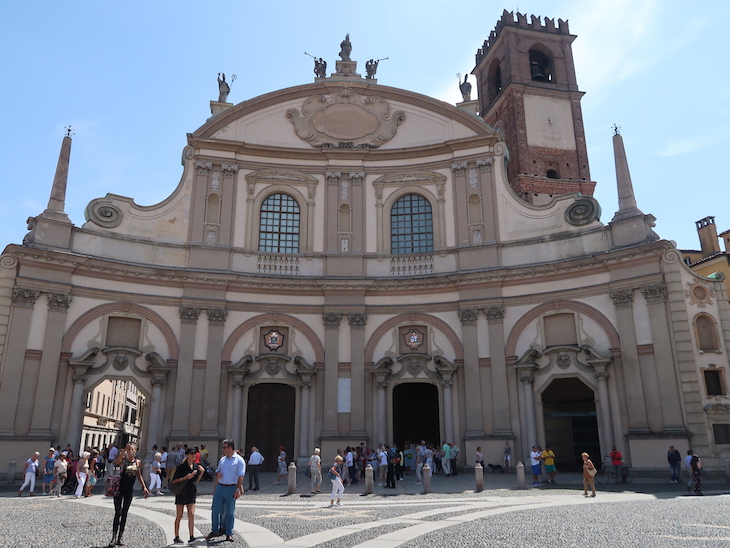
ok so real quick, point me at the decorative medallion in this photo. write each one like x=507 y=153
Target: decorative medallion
x=413 y=339
x=563 y=361
x=699 y=294
x=345 y=119
x=414 y=368
x=583 y=211
x=273 y=340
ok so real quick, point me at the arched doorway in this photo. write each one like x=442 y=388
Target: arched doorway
x=571 y=426
x=415 y=414
x=270 y=422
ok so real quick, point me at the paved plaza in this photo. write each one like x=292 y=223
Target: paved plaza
x=647 y=513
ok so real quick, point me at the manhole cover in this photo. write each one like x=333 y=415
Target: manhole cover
x=77 y=524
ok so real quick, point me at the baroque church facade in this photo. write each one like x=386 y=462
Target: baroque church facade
x=344 y=261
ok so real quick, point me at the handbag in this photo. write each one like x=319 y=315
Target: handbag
x=177 y=488
x=592 y=471
x=112 y=486
x=308 y=473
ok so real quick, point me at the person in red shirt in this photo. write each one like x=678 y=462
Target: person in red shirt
x=616 y=457
x=197 y=457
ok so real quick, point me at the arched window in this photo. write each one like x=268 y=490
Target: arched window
x=706 y=333
x=540 y=69
x=411 y=225
x=279 y=229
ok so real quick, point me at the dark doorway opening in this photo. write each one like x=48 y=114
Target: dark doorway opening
x=571 y=425
x=415 y=414
x=270 y=422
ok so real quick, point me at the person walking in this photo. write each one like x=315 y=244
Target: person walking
x=674 y=459
x=189 y=473
x=616 y=459
x=281 y=469
x=227 y=487
x=688 y=467
x=255 y=460
x=335 y=475
x=589 y=473
x=696 y=466
x=390 y=476
x=91 y=474
x=156 y=474
x=82 y=473
x=315 y=471
x=548 y=458
x=479 y=457
x=131 y=471
x=535 y=456
x=454 y=459
x=420 y=461
x=48 y=463
x=60 y=472
x=172 y=461
x=508 y=457
x=29 y=471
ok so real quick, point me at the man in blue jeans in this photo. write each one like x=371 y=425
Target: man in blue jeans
x=227 y=487
x=674 y=458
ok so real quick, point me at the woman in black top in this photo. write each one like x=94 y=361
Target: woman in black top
x=190 y=473
x=696 y=466
x=131 y=470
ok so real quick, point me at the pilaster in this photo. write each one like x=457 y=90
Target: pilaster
x=357 y=323
x=184 y=377
x=216 y=322
x=331 y=373
x=474 y=426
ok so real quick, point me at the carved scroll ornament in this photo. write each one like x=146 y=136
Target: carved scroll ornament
x=345 y=119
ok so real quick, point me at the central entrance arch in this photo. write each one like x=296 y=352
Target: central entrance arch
x=270 y=422
x=571 y=425
x=415 y=414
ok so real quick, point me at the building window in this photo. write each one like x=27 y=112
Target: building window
x=713 y=382
x=722 y=433
x=706 y=333
x=279 y=229
x=540 y=69
x=411 y=225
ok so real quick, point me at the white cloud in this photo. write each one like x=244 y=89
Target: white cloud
x=677 y=148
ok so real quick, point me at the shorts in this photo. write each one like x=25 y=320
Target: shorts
x=535 y=469
x=550 y=468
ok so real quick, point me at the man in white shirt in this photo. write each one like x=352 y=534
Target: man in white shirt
x=420 y=460
x=535 y=462
x=113 y=453
x=383 y=465
x=255 y=459
x=688 y=466
x=227 y=487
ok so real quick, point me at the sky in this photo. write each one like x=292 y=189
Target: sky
x=133 y=78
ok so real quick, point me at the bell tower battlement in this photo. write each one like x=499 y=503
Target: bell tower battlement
x=527 y=88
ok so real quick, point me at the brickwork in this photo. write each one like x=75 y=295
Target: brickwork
x=504 y=107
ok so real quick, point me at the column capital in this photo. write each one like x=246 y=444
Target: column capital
x=494 y=314
x=357 y=321
x=655 y=293
x=447 y=383
x=622 y=298
x=469 y=316
x=59 y=301
x=237 y=381
x=332 y=177
x=601 y=375
x=189 y=314
x=331 y=320
x=458 y=168
x=79 y=378
x=357 y=176
x=217 y=316
x=159 y=379
x=24 y=297
x=527 y=378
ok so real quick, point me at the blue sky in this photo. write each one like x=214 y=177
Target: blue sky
x=133 y=78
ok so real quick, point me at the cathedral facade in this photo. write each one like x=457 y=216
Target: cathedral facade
x=346 y=262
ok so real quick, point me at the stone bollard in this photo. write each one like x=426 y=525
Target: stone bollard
x=520 y=471
x=11 y=472
x=426 y=473
x=369 y=489
x=292 y=484
x=479 y=477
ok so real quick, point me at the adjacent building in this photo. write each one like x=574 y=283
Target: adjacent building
x=344 y=261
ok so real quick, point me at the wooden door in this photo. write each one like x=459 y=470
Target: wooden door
x=270 y=422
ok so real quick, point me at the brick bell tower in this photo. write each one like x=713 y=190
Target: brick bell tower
x=528 y=90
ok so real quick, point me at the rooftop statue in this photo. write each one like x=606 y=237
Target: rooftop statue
x=465 y=89
x=371 y=67
x=346 y=48
x=320 y=68
x=223 y=88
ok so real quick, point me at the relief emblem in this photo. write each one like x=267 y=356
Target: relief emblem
x=273 y=340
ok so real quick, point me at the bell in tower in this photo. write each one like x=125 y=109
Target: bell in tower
x=527 y=88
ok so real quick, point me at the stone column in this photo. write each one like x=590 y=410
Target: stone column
x=500 y=390
x=382 y=429
x=153 y=430
x=75 y=416
x=184 y=377
x=656 y=298
x=623 y=300
x=331 y=373
x=472 y=383
x=237 y=409
x=607 y=440
x=58 y=304
x=357 y=374
x=211 y=391
x=448 y=410
x=528 y=380
x=304 y=448
x=17 y=342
